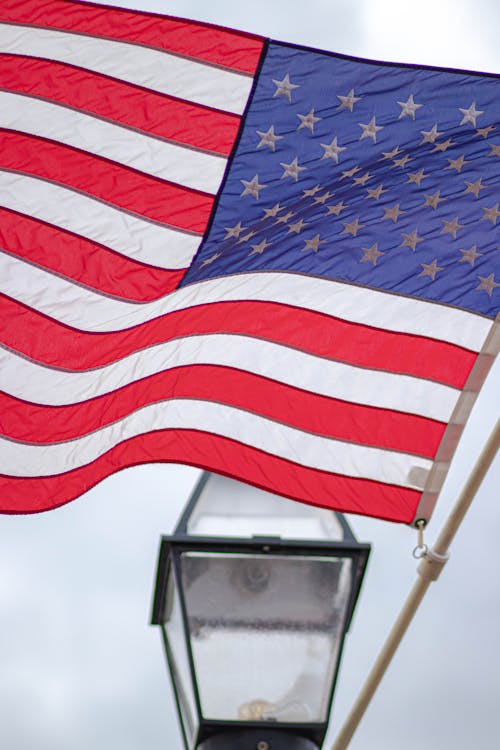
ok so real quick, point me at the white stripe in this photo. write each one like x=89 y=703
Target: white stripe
x=86 y=310
x=184 y=166
x=31 y=381
x=303 y=448
x=137 y=64
x=120 y=231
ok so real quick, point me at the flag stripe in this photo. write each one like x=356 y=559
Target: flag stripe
x=166 y=73
x=33 y=423
x=216 y=45
x=88 y=311
x=347 y=342
x=82 y=260
x=122 y=232
x=159 y=158
x=121 y=186
x=139 y=108
x=31 y=381
x=215 y=453
x=314 y=451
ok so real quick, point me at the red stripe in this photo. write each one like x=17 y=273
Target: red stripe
x=368 y=425
x=82 y=260
x=126 y=104
x=212 y=44
x=44 y=340
x=121 y=186
x=223 y=456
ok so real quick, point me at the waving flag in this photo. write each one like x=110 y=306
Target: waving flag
x=267 y=261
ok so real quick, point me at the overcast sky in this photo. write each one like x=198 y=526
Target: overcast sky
x=79 y=665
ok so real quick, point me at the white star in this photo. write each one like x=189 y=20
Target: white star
x=431 y=135
x=285 y=218
x=371 y=254
x=363 y=179
x=348 y=102
x=443 y=145
x=433 y=200
x=488 y=283
x=452 y=227
x=308 y=121
x=402 y=161
x=298 y=226
x=252 y=187
x=234 y=231
x=470 y=256
x=393 y=213
x=390 y=154
x=336 y=209
x=259 y=249
x=469 y=115
x=409 y=108
x=352 y=227
x=417 y=177
x=210 y=260
x=292 y=169
x=246 y=237
x=370 y=130
x=474 y=187
x=457 y=164
x=268 y=139
x=410 y=240
x=285 y=88
x=484 y=132
x=375 y=193
x=311 y=191
x=320 y=199
x=491 y=214
x=430 y=269
x=332 y=151
x=349 y=172
x=268 y=212
x=313 y=244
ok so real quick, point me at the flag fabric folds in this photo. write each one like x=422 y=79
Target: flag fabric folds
x=267 y=261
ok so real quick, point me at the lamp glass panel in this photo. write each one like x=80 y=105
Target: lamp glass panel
x=265 y=633
x=229 y=509
x=178 y=659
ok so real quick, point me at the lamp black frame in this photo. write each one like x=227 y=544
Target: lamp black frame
x=171 y=549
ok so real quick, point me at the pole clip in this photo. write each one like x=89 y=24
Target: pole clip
x=431 y=565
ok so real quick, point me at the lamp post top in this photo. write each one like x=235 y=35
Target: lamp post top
x=221 y=507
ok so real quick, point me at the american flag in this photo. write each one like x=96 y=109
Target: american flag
x=267 y=261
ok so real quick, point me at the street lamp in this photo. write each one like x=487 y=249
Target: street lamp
x=254 y=595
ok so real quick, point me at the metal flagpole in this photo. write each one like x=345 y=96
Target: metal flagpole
x=430 y=567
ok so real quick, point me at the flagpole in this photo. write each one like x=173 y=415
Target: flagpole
x=431 y=564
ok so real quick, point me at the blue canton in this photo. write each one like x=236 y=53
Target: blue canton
x=378 y=175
